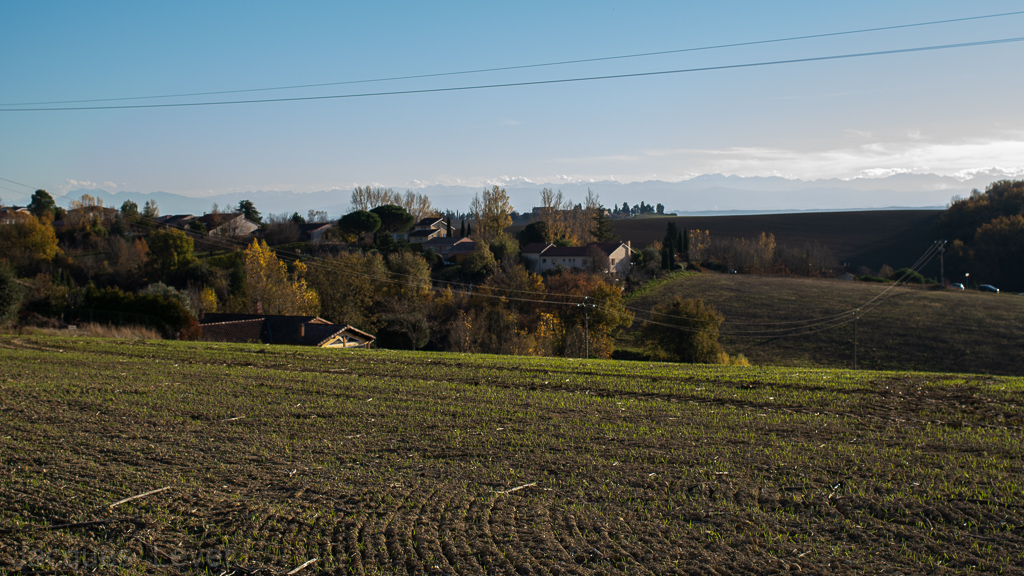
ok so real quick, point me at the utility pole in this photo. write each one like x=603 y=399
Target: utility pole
x=586 y=305
x=942 y=264
x=855 y=338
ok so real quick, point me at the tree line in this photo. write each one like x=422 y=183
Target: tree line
x=105 y=259
x=986 y=235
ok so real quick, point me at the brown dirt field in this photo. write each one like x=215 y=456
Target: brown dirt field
x=868 y=238
x=384 y=463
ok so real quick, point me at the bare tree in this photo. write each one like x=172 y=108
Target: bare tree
x=367 y=198
x=280 y=229
x=492 y=212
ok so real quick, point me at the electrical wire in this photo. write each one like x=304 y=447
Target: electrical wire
x=811 y=325
x=533 y=82
x=18 y=183
x=528 y=66
x=797 y=323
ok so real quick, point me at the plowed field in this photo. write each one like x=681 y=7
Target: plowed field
x=267 y=460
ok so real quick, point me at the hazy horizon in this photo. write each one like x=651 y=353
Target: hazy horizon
x=713 y=193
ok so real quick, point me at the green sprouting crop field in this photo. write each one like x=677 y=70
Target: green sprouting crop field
x=126 y=456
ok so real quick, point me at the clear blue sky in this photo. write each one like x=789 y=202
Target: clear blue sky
x=943 y=112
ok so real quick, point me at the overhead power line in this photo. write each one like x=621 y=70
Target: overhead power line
x=18 y=183
x=533 y=82
x=802 y=327
x=529 y=66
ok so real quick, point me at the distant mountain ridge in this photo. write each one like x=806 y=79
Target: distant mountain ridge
x=707 y=193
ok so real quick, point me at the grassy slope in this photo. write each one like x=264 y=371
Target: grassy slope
x=913 y=329
x=383 y=462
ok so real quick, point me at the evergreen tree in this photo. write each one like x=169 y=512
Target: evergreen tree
x=130 y=210
x=602 y=230
x=462 y=232
x=150 y=210
x=248 y=209
x=670 y=234
x=42 y=203
x=393 y=218
x=358 y=223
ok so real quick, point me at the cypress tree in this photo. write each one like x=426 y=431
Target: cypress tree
x=670 y=234
x=462 y=232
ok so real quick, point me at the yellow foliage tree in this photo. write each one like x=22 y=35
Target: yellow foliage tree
x=567 y=222
x=27 y=240
x=492 y=212
x=700 y=240
x=590 y=313
x=208 y=299
x=271 y=289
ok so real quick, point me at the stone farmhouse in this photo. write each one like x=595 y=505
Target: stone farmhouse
x=229 y=225
x=452 y=249
x=425 y=229
x=612 y=258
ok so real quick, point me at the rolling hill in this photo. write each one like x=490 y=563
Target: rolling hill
x=785 y=321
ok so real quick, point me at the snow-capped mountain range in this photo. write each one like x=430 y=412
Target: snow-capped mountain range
x=701 y=194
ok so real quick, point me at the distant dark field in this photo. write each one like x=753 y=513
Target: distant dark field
x=870 y=238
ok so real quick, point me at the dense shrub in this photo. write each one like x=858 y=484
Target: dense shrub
x=116 y=307
x=869 y=278
x=908 y=276
x=10 y=295
x=685 y=331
